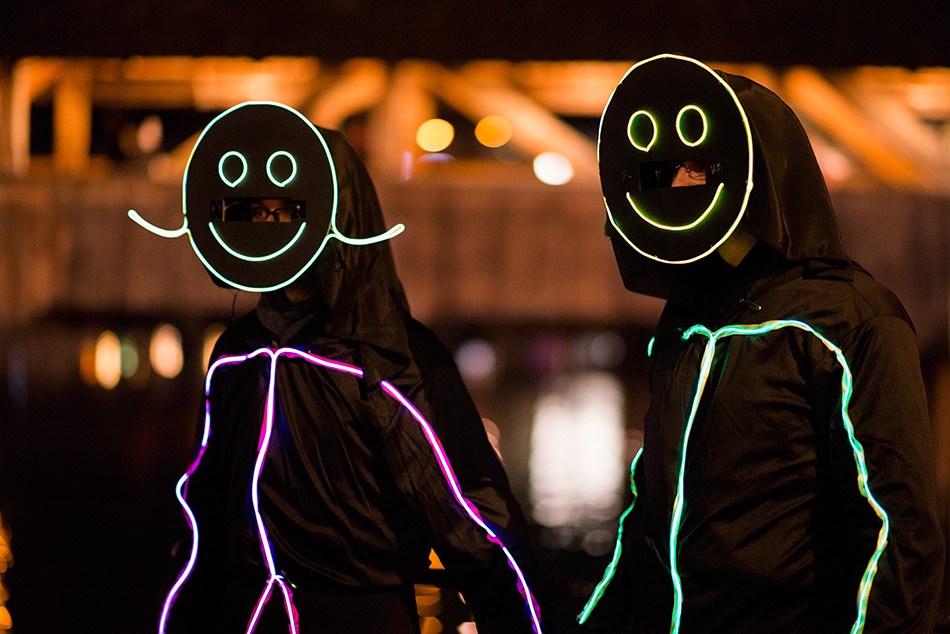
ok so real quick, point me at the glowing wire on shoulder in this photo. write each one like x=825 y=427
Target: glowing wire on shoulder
x=864 y=587
x=274 y=577
x=612 y=567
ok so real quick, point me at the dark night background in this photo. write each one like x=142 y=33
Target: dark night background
x=823 y=33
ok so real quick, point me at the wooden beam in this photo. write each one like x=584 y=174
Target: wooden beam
x=813 y=96
x=393 y=126
x=72 y=119
x=535 y=128
x=361 y=87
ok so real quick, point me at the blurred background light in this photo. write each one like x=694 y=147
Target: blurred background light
x=493 y=131
x=476 y=359
x=150 y=134
x=576 y=463
x=435 y=135
x=128 y=357
x=165 y=351
x=553 y=168
x=108 y=360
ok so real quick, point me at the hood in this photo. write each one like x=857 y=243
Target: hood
x=789 y=208
x=357 y=295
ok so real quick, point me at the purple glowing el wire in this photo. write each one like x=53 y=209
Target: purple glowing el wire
x=263 y=443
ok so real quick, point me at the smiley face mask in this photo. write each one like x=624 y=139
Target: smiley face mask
x=671 y=111
x=260 y=198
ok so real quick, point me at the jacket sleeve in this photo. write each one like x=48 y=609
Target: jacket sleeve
x=888 y=411
x=446 y=468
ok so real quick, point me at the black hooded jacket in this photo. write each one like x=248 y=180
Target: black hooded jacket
x=351 y=490
x=786 y=483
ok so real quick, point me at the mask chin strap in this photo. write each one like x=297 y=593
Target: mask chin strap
x=165 y=233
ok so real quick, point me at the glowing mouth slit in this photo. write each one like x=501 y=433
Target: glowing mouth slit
x=694 y=223
x=267 y=424
x=256 y=258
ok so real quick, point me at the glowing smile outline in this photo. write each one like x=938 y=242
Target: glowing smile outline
x=677 y=227
x=256 y=258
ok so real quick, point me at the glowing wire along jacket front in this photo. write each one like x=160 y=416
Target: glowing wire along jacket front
x=274 y=578
x=681 y=500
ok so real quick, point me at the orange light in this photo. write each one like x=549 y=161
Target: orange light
x=493 y=131
x=435 y=135
x=165 y=351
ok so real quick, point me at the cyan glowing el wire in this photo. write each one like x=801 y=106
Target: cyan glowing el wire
x=612 y=566
x=864 y=588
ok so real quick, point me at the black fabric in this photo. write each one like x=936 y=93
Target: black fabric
x=775 y=534
x=789 y=207
x=351 y=494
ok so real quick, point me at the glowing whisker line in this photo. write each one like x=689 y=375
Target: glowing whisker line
x=165 y=233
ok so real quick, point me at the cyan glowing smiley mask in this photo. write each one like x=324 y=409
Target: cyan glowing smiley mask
x=668 y=110
x=253 y=152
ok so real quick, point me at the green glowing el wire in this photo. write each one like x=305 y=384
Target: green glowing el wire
x=679 y=125
x=864 y=588
x=612 y=567
x=256 y=258
x=644 y=113
x=685 y=227
x=224 y=178
x=293 y=165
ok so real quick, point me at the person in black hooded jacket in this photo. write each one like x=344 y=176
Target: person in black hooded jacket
x=786 y=481
x=339 y=446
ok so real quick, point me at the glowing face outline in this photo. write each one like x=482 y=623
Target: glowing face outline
x=638 y=208
x=332 y=230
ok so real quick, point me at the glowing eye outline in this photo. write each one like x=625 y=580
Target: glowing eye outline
x=224 y=178
x=293 y=163
x=630 y=125
x=694 y=223
x=679 y=128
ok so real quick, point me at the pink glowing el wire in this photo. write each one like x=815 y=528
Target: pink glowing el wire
x=264 y=441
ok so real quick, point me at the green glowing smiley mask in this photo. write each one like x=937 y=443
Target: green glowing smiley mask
x=254 y=152
x=668 y=110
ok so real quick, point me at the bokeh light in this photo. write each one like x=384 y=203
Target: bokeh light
x=108 y=361
x=165 y=351
x=128 y=357
x=476 y=359
x=493 y=131
x=435 y=135
x=553 y=168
